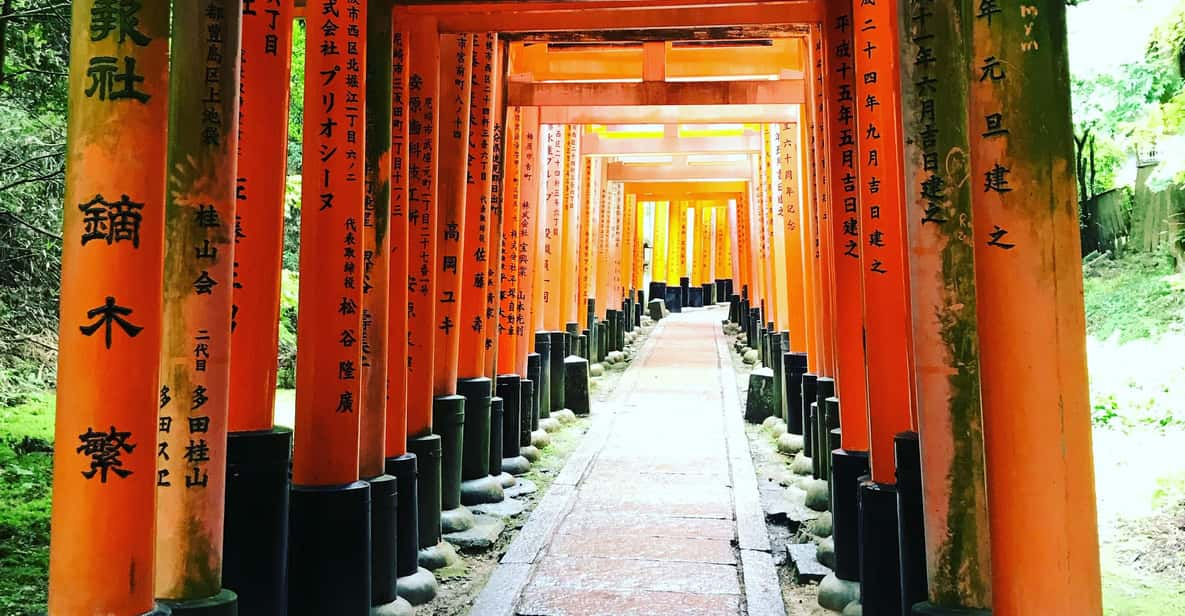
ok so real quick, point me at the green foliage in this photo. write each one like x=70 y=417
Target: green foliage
x=289 y=289
x=1136 y=297
x=296 y=99
x=26 y=471
x=36 y=40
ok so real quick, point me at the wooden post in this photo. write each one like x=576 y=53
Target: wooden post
x=109 y=341
x=845 y=181
x=498 y=221
x=479 y=188
x=329 y=331
x=528 y=233
x=423 y=104
x=789 y=168
x=551 y=232
x=638 y=254
x=569 y=245
x=584 y=272
x=662 y=225
x=1029 y=282
x=398 y=276
x=825 y=205
x=456 y=69
x=885 y=276
x=810 y=270
x=258 y=453
x=448 y=408
x=198 y=295
x=942 y=278
x=511 y=282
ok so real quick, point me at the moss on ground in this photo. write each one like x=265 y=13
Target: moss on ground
x=1135 y=297
x=26 y=473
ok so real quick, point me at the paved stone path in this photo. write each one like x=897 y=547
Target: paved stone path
x=657 y=512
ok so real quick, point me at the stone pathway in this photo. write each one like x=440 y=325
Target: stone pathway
x=657 y=512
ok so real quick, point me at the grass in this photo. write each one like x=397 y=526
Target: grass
x=26 y=469
x=1135 y=297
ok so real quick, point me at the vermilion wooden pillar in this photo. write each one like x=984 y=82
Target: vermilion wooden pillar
x=945 y=331
x=198 y=296
x=477 y=484
x=789 y=169
x=658 y=253
x=569 y=247
x=498 y=220
x=415 y=584
x=772 y=187
x=448 y=408
x=824 y=199
x=528 y=232
x=106 y=426
x=551 y=230
x=885 y=275
x=509 y=304
x=584 y=268
x=810 y=270
x=637 y=259
x=886 y=304
x=258 y=454
x=422 y=59
x=1029 y=283
x=327 y=493
x=844 y=178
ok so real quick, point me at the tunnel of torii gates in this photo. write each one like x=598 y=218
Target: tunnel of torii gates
x=883 y=190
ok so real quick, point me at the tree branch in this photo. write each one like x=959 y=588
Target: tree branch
x=29 y=160
x=41 y=178
x=33 y=12
x=30 y=225
x=20 y=336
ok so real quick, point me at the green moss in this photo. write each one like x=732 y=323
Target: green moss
x=1135 y=297
x=26 y=474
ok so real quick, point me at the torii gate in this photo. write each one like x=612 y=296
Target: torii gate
x=922 y=218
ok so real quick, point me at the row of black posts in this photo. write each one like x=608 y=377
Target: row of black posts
x=877 y=529
x=686 y=295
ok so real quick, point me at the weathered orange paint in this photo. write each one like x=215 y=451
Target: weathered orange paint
x=456 y=70
x=329 y=330
x=569 y=240
x=197 y=298
x=790 y=169
x=513 y=275
x=422 y=60
x=845 y=222
x=259 y=217
x=882 y=234
x=823 y=251
x=529 y=211
x=585 y=272
x=376 y=225
x=475 y=253
x=398 y=303
x=102 y=527
x=1036 y=402
x=549 y=274
x=495 y=272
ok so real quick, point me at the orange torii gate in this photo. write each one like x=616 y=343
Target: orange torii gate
x=882 y=235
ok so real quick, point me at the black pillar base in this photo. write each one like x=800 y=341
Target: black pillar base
x=848 y=467
x=530 y=420
x=658 y=290
x=497 y=423
x=448 y=421
x=225 y=603
x=911 y=525
x=159 y=610
x=329 y=560
x=674 y=299
x=559 y=352
x=695 y=297
x=426 y=451
x=545 y=350
x=880 y=565
x=824 y=389
x=255 y=531
x=928 y=609
x=576 y=385
x=477 y=486
x=531 y=403
x=384 y=500
x=775 y=351
x=508 y=387
x=407 y=531
x=794 y=366
x=809 y=394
